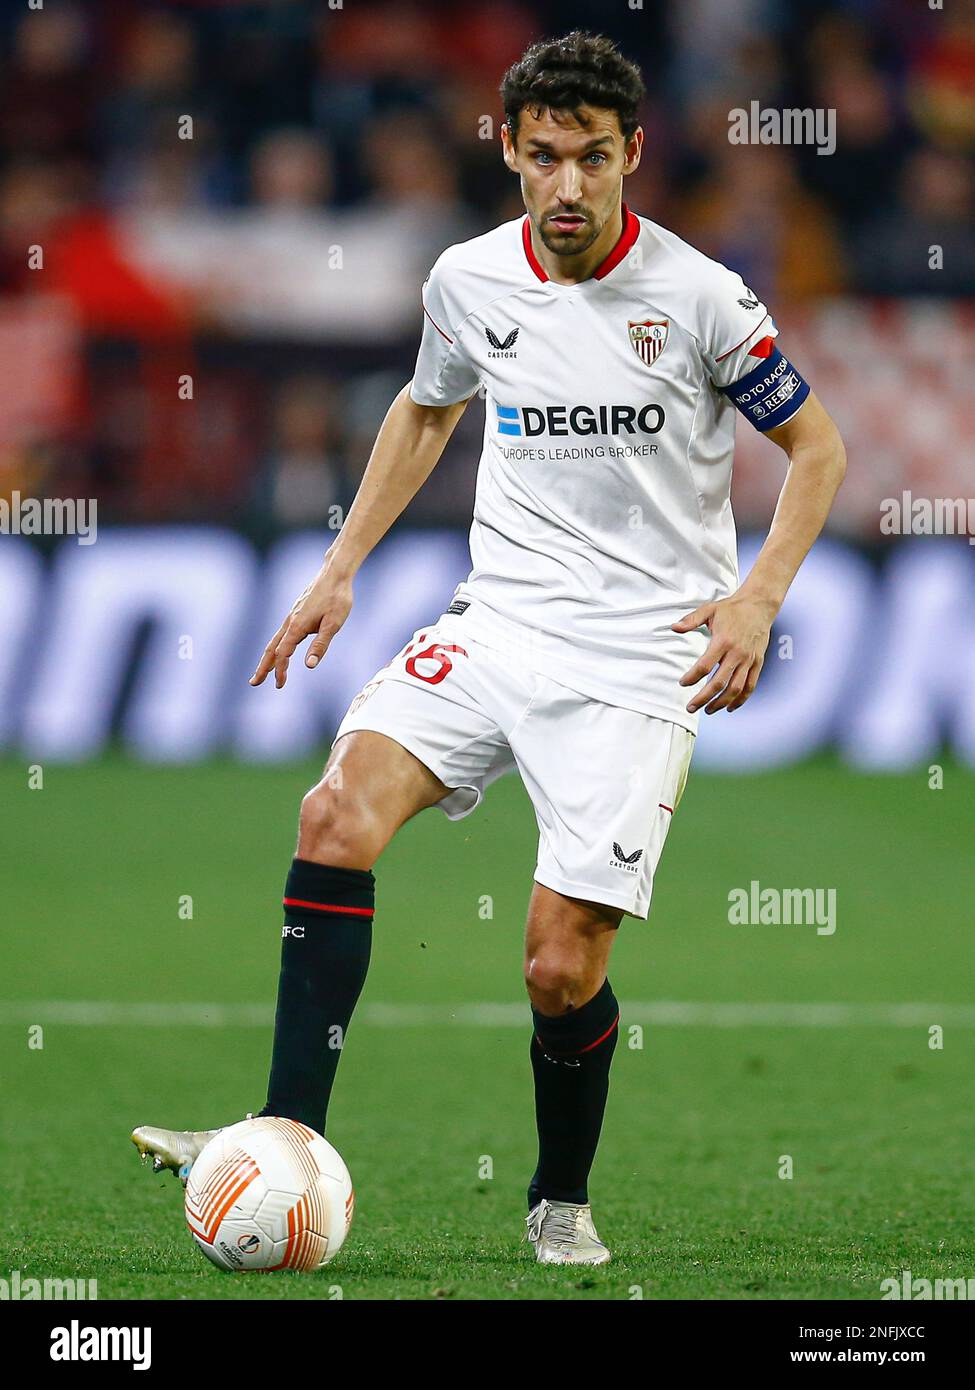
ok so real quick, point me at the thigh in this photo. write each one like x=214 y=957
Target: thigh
x=605 y=783
x=383 y=774
x=446 y=704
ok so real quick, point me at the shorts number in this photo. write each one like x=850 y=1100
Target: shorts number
x=435 y=652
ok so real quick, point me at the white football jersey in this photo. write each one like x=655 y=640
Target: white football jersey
x=602 y=509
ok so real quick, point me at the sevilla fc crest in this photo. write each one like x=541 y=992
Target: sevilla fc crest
x=649 y=339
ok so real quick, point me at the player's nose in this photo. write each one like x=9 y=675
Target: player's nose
x=569 y=189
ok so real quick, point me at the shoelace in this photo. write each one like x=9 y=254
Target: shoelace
x=560 y=1224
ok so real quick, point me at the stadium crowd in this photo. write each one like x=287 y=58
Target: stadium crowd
x=382 y=116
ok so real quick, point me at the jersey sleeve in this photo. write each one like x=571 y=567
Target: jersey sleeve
x=444 y=374
x=743 y=359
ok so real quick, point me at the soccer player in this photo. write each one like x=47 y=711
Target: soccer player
x=602 y=613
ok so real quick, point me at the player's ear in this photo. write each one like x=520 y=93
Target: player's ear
x=632 y=151
x=508 y=147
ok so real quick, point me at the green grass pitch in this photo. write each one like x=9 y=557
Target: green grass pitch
x=686 y=1189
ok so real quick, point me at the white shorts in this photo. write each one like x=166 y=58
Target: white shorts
x=604 y=781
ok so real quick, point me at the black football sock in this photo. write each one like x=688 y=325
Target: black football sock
x=570 y=1059
x=325 y=946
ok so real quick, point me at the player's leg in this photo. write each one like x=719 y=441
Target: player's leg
x=370 y=787
x=604 y=782
x=575 y=1020
x=417 y=735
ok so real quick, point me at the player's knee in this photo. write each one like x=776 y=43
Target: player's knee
x=336 y=828
x=556 y=982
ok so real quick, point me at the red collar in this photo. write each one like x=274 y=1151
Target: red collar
x=629 y=234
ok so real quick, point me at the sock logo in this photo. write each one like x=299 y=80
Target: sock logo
x=560 y=1061
x=290 y=930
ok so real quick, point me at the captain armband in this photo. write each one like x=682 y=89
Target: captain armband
x=771 y=394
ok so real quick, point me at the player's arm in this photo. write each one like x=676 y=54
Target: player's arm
x=407 y=449
x=741 y=625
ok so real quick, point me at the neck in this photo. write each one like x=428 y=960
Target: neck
x=570 y=270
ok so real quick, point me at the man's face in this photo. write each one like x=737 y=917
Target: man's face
x=570 y=173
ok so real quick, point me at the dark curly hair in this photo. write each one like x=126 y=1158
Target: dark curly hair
x=565 y=74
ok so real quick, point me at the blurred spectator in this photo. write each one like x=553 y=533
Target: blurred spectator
x=859 y=179
x=291 y=169
x=165 y=179
x=415 y=181
x=942 y=81
x=753 y=214
x=157 y=81
x=936 y=210
x=154 y=159
x=711 y=38
x=48 y=88
x=44 y=205
x=300 y=478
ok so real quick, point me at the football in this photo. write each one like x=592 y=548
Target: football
x=269 y=1194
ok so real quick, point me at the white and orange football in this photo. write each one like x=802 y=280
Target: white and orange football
x=269 y=1194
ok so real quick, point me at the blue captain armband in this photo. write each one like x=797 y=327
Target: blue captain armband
x=769 y=395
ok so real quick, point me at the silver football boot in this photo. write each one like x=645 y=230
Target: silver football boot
x=563 y=1234
x=176 y=1149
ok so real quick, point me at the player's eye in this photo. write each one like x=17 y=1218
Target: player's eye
x=541 y=157
x=595 y=155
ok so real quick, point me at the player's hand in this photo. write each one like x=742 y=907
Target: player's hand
x=321 y=609
x=740 y=628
